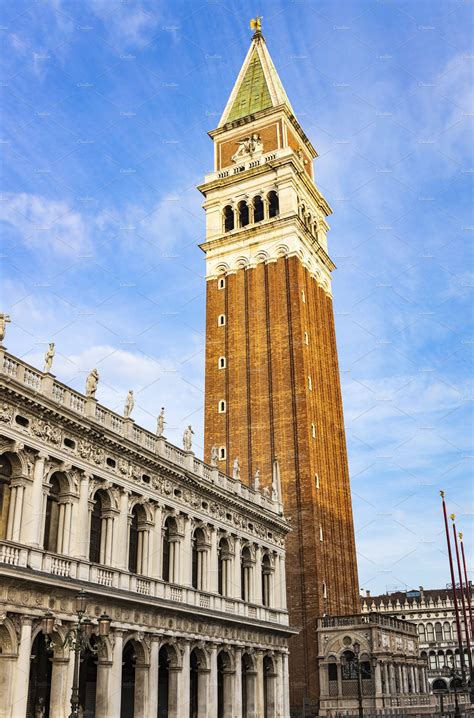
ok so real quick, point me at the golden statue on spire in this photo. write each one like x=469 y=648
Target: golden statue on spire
x=256 y=24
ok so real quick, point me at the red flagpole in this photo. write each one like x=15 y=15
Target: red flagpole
x=464 y=612
x=468 y=587
x=455 y=600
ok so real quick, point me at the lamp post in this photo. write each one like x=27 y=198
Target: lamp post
x=78 y=639
x=359 y=679
x=456 y=677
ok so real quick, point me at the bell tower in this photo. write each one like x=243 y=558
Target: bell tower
x=272 y=381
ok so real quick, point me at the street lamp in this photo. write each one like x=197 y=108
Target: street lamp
x=359 y=679
x=78 y=639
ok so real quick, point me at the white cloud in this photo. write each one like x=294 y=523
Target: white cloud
x=44 y=224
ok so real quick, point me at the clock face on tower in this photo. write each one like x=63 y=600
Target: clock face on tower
x=273 y=403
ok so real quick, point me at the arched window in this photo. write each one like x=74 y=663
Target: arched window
x=222 y=453
x=266 y=580
x=449 y=658
x=447 y=631
x=197 y=670
x=429 y=632
x=41 y=666
x=432 y=661
x=99 y=529
x=243 y=212
x=138 y=541
x=221 y=363
x=422 y=632
x=222 y=406
x=349 y=672
x=51 y=524
x=199 y=568
x=273 y=204
x=441 y=659
x=225 y=677
x=228 y=218
x=223 y=576
x=5 y=494
x=246 y=567
x=438 y=632
x=169 y=551
x=258 y=211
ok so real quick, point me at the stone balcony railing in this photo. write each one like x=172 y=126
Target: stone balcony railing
x=12 y=368
x=248 y=163
x=25 y=557
x=368 y=618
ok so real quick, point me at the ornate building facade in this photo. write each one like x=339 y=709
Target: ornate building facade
x=432 y=611
x=188 y=563
x=372 y=661
x=272 y=381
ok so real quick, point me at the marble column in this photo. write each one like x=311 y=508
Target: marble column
x=22 y=672
x=386 y=678
x=115 y=677
x=236 y=587
x=212 y=701
x=378 y=679
x=260 y=699
x=104 y=674
x=213 y=563
x=182 y=687
x=237 y=684
x=185 y=578
x=36 y=501
x=257 y=577
x=82 y=535
x=286 y=681
x=152 y=710
x=18 y=512
x=120 y=552
x=59 y=685
x=156 y=570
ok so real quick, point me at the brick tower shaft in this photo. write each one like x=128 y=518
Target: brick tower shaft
x=272 y=379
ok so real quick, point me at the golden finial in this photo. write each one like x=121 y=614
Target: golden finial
x=460 y=535
x=256 y=24
x=441 y=494
x=452 y=516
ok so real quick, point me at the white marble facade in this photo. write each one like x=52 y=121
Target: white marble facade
x=189 y=564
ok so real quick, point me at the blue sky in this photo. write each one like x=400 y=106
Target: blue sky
x=105 y=110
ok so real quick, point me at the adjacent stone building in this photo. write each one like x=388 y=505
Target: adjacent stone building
x=272 y=380
x=373 y=661
x=432 y=611
x=188 y=563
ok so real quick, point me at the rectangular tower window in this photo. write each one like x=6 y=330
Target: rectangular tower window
x=221 y=320
x=221 y=283
x=222 y=453
x=222 y=406
x=221 y=363
x=313 y=431
x=306 y=338
x=310 y=384
x=321 y=533
x=316 y=480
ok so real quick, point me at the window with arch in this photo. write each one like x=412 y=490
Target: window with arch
x=199 y=560
x=170 y=550
x=246 y=568
x=138 y=541
x=5 y=494
x=438 y=632
x=229 y=221
x=429 y=632
x=222 y=406
x=422 y=632
x=243 y=213
x=221 y=283
x=224 y=684
x=101 y=529
x=269 y=688
x=325 y=590
x=267 y=573
x=273 y=204
x=348 y=672
x=447 y=631
x=221 y=320
x=222 y=363
x=222 y=453
x=223 y=567
x=432 y=661
x=258 y=209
